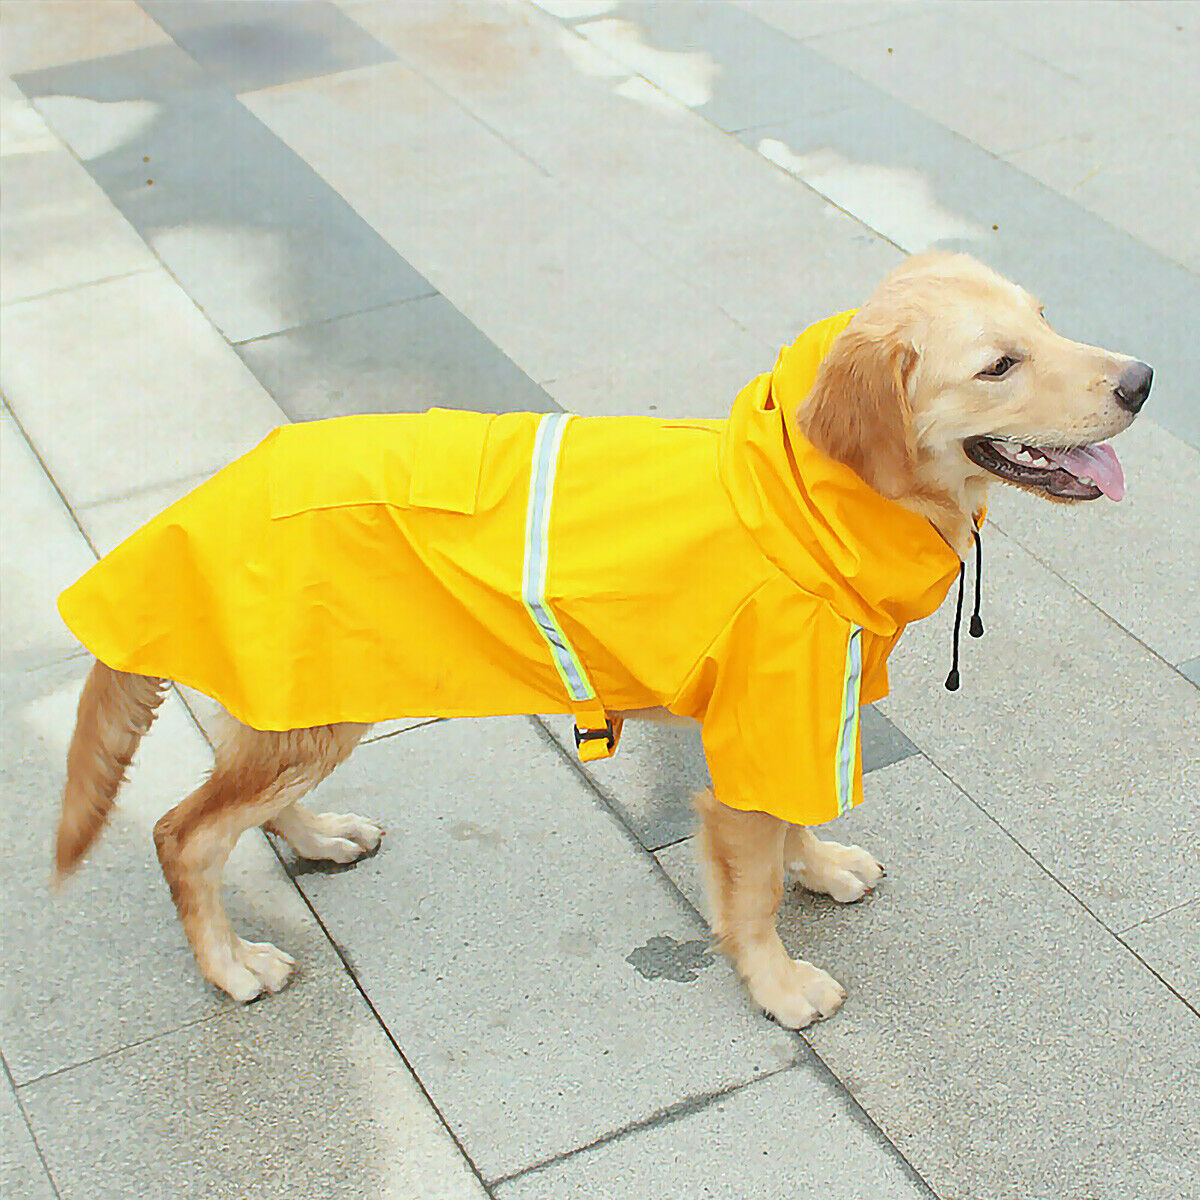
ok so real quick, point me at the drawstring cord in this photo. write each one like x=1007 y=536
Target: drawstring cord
x=976 y=619
x=952 y=680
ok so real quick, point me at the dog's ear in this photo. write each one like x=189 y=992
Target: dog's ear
x=858 y=410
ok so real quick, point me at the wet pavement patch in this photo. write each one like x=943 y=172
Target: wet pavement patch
x=665 y=958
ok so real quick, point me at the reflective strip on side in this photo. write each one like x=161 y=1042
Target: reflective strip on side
x=537 y=555
x=848 y=734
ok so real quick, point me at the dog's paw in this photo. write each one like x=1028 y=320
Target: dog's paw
x=250 y=969
x=337 y=837
x=847 y=873
x=797 y=995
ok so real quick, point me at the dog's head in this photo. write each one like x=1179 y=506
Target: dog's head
x=950 y=376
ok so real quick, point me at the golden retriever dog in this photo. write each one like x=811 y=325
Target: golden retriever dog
x=947 y=379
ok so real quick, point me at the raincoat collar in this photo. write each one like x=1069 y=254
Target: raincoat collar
x=875 y=562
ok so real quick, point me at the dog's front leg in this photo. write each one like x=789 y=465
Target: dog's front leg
x=743 y=856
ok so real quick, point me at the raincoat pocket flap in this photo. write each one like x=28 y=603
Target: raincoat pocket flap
x=447 y=459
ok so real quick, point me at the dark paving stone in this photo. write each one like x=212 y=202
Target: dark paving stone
x=253 y=234
x=251 y=44
x=883 y=743
x=403 y=358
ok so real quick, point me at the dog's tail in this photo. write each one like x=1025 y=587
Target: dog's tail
x=115 y=711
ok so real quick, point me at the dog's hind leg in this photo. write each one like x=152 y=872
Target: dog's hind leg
x=327 y=837
x=256 y=776
x=846 y=873
x=743 y=856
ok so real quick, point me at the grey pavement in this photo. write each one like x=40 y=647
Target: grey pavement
x=217 y=217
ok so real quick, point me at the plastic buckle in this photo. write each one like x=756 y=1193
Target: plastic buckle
x=594 y=735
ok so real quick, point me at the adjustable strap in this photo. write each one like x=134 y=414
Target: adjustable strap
x=596 y=735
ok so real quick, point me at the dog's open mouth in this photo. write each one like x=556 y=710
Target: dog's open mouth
x=1076 y=473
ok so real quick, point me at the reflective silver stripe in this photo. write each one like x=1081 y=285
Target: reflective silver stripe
x=537 y=555
x=848 y=735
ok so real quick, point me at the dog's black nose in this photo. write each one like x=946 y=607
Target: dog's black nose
x=1134 y=386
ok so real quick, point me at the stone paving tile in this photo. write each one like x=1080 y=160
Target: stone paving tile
x=41 y=552
x=255 y=237
x=58 y=229
x=1096 y=171
x=123 y=384
x=795 y=1134
x=650 y=781
x=724 y=63
x=1007 y=1044
x=298 y=1097
x=403 y=358
x=1191 y=669
x=247 y=44
x=418 y=135
x=37 y=35
x=932 y=61
x=1169 y=945
x=103 y=963
x=1136 y=560
x=506 y=937
x=22 y=1173
x=963 y=198
x=1067 y=732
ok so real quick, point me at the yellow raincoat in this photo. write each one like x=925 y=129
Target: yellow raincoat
x=460 y=564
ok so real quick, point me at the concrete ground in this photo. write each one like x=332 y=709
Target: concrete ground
x=221 y=216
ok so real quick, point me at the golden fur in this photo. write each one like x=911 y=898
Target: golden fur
x=895 y=400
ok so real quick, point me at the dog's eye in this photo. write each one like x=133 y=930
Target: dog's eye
x=999 y=368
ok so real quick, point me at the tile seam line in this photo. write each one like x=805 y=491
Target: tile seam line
x=433 y=293
x=134 y=493
x=667 y=1115
x=1112 y=933
x=86 y=283
x=219 y=1015
x=1166 y=912
x=813 y=1057
x=29 y=1127
x=886 y=95
x=71 y=512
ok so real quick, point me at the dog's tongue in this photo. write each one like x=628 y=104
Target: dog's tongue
x=1098 y=462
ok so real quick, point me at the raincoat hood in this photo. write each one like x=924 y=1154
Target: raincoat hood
x=876 y=563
